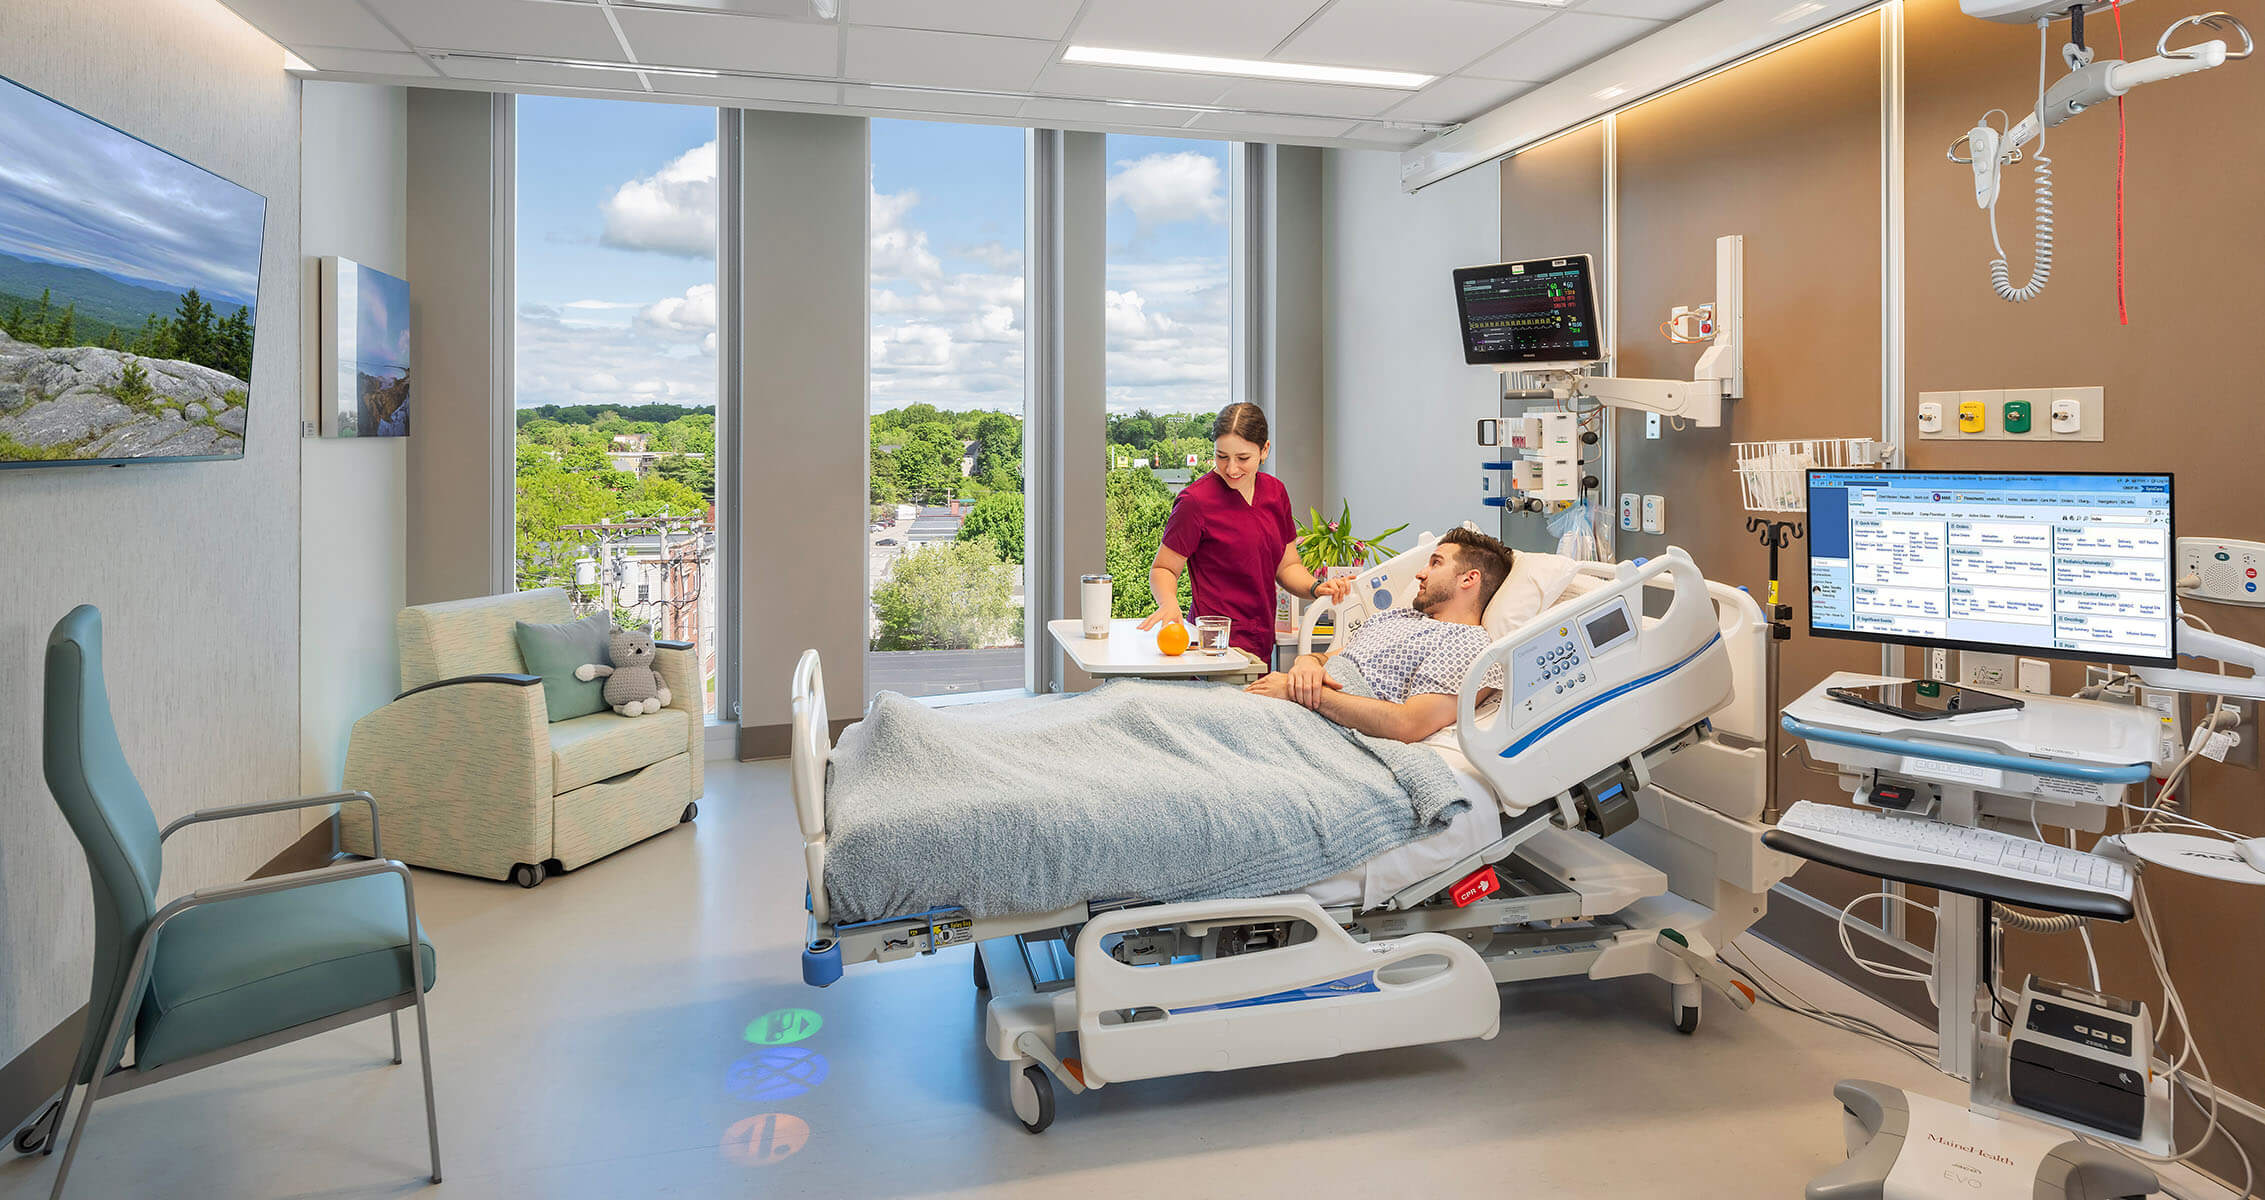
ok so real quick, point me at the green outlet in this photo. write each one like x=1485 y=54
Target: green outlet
x=2017 y=416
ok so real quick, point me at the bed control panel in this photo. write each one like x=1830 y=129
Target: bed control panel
x=1561 y=662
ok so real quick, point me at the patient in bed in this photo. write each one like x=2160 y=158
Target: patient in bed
x=1413 y=658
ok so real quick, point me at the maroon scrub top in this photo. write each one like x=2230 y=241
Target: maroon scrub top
x=1233 y=548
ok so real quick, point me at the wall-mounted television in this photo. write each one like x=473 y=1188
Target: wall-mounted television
x=129 y=294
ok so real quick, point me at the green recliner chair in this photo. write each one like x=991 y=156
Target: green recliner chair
x=223 y=971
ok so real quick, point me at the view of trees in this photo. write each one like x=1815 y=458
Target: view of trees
x=565 y=477
x=963 y=600
x=194 y=333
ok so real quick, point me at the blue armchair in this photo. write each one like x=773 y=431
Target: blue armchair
x=224 y=971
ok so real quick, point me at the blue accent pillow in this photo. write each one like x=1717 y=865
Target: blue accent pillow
x=553 y=651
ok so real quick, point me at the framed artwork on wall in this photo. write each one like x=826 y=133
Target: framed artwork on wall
x=365 y=351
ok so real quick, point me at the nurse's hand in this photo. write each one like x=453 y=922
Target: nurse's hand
x=1308 y=679
x=1335 y=589
x=1163 y=616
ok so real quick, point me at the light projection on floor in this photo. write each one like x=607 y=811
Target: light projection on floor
x=783 y=1026
x=760 y=1141
x=780 y=1073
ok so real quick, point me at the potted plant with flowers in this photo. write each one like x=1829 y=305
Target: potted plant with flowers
x=1325 y=545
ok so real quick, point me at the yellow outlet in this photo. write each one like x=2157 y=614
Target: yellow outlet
x=1973 y=416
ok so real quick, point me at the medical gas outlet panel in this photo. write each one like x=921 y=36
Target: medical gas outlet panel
x=1535 y=459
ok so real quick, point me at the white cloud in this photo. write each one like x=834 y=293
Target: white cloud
x=900 y=251
x=609 y=359
x=599 y=305
x=692 y=314
x=672 y=211
x=996 y=255
x=1160 y=188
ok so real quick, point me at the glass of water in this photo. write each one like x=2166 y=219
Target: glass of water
x=1212 y=632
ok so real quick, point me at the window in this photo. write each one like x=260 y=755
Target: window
x=1169 y=321
x=616 y=363
x=944 y=548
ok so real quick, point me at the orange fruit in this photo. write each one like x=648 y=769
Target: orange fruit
x=1172 y=639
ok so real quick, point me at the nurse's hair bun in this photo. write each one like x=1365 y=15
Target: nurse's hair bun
x=1244 y=420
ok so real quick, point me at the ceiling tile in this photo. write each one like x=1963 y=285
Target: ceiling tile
x=1236 y=29
x=1047 y=19
x=728 y=90
x=1047 y=112
x=681 y=39
x=364 y=62
x=1457 y=99
x=317 y=22
x=942 y=103
x=1566 y=41
x=1310 y=99
x=1122 y=83
x=801 y=10
x=1650 y=10
x=493 y=70
x=1259 y=129
x=1385 y=136
x=504 y=26
x=1433 y=36
x=960 y=60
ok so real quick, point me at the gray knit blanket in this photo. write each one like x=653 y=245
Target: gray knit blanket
x=1139 y=789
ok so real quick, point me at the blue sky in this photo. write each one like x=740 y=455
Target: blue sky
x=75 y=191
x=616 y=271
x=381 y=321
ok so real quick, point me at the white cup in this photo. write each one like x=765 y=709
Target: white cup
x=1095 y=594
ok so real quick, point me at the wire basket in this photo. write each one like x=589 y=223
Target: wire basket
x=1774 y=475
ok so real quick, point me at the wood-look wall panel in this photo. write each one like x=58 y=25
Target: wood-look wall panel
x=1801 y=181
x=1552 y=203
x=2179 y=384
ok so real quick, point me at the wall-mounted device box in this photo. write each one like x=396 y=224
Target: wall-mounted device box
x=2012 y=414
x=2229 y=572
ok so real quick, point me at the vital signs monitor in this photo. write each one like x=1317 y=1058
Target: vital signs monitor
x=2060 y=564
x=1540 y=311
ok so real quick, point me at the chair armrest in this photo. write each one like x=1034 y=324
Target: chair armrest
x=493 y=677
x=464 y=774
x=679 y=667
x=228 y=812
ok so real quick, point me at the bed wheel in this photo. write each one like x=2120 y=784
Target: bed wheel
x=1687 y=1018
x=527 y=875
x=982 y=977
x=1033 y=1095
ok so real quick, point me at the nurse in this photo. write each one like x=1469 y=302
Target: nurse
x=1231 y=531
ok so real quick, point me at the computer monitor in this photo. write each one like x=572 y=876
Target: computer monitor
x=2055 y=563
x=1542 y=311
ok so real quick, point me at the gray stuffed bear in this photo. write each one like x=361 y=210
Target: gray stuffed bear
x=633 y=687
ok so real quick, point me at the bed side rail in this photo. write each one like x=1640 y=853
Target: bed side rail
x=809 y=745
x=1391 y=582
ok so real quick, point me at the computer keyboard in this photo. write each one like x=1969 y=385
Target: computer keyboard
x=1979 y=862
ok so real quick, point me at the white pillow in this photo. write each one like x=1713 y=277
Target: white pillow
x=1536 y=581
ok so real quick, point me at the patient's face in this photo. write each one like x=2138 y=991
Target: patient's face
x=1435 y=584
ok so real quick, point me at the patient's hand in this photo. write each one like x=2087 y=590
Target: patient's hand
x=1275 y=685
x=1309 y=678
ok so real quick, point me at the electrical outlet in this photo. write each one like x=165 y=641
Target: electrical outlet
x=1938 y=665
x=2170 y=740
x=2244 y=753
x=1979 y=669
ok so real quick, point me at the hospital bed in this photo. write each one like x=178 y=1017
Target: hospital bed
x=1616 y=787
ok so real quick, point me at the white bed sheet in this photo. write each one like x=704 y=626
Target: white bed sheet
x=1374 y=881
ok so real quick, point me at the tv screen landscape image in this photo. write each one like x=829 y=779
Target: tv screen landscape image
x=129 y=287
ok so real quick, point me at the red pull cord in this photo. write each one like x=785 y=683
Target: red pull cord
x=2123 y=313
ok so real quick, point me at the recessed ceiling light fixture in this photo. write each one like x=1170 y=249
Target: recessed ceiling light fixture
x=1611 y=93
x=1105 y=56
x=1797 y=12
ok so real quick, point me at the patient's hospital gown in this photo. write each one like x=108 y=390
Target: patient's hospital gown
x=1404 y=653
